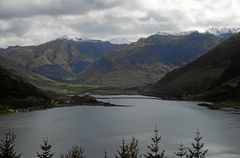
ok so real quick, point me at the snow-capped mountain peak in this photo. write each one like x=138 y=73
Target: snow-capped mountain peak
x=65 y=37
x=77 y=39
x=222 y=31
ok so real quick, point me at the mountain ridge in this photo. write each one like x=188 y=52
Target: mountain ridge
x=101 y=63
x=215 y=76
x=147 y=60
x=60 y=58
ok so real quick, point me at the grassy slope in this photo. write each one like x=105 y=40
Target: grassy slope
x=41 y=81
x=21 y=89
x=59 y=87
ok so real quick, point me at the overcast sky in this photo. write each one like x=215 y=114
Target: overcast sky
x=27 y=22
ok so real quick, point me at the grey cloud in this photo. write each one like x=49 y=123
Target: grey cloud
x=27 y=22
x=26 y=8
x=19 y=27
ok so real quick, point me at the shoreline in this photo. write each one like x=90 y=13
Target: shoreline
x=212 y=105
x=204 y=103
x=67 y=101
x=31 y=109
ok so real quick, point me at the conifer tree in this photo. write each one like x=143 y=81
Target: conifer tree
x=123 y=152
x=154 y=147
x=196 y=150
x=46 y=150
x=181 y=153
x=133 y=148
x=75 y=152
x=7 y=146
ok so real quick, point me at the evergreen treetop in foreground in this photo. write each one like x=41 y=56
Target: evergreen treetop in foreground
x=7 y=146
x=197 y=148
x=154 y=148
x=46 y=150
x=181 y=152
x=128 y=150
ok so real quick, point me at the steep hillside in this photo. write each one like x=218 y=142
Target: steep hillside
x=61 y=58
x=13 y=86
x=22 y=89
x=214 y=76
x=35 y=79
x=148 y=59
x=15 y=89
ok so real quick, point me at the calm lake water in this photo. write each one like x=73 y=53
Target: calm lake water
x=96 y=128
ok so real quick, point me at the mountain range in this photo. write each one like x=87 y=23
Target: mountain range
x=215 y=76
x=183 y=65
x=102 y=63
x=223 y=32
x=147 y=60
x=62 y=58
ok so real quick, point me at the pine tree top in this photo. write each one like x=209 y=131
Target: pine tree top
x=181 y=152
x=197 y=147
x=46 y=150
x=7 y=146
x=154 y=147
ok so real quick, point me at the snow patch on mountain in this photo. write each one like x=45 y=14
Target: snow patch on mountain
x=77 y=39
x=223 y=31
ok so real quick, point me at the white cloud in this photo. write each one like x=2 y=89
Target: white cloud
x=27 y=22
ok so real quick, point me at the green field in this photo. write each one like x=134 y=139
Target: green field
x=59 y=87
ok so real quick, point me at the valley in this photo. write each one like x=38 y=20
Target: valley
x=119 y=79
x=131 y=68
